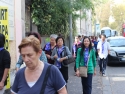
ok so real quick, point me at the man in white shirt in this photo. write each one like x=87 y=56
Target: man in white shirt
x=103 y=50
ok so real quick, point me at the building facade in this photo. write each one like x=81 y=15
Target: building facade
x=16 y=28
x=84 y=25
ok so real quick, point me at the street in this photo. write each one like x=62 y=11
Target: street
x=116 y=79
x=112 y=84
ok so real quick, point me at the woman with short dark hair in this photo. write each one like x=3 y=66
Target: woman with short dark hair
x=35 y=34
x=59 y=54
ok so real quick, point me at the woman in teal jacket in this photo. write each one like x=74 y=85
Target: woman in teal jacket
x=86 y=54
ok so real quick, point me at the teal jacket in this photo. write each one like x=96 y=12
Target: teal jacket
x=91 y=62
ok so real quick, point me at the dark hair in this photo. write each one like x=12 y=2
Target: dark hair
x=83 y=46
x=103 y=35
x=36 y=34
x=60 y=37
x=2 y=40
x=99 y=35
x=79 y=36
x=95 y=38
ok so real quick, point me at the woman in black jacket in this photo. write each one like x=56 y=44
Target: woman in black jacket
x=4 y=64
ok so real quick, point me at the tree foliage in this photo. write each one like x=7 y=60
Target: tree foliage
x=102 y=11
x=107 y=11
x=52 y=16
x=118 y=14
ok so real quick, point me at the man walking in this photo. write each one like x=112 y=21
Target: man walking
x=103 y=50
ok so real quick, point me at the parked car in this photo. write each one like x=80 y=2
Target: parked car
x=117 y=50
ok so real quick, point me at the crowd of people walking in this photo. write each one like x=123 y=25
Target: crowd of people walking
x=45 y=72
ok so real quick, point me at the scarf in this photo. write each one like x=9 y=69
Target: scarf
x=86 y=56
x=48 y=47
x=1 y=48
x=74 y=48
x=59 y=51
x=103 y=47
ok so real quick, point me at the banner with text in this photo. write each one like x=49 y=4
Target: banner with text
x=4 y=29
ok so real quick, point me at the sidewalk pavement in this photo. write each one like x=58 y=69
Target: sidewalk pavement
x=74 y=84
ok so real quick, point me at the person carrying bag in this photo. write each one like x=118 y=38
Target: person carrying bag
x=83 y=69
x=86 y=64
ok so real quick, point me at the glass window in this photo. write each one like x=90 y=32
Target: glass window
x=124 y=30
x=117 y=42
x=106 y=32
x=113 y=33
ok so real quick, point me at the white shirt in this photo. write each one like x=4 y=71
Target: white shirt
x=30 y=84
x=103 y=54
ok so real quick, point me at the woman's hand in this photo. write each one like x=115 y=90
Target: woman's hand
x=74 y=55
x=1 y=85
x=55 y=56
x=77 y=73
x=61 y=59
x=48 y=56
x=94 y=72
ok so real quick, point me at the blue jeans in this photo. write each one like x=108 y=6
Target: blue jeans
x=102 y=65
x=87 y=84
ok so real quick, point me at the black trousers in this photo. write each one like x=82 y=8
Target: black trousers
x=96 y=54
x=87 y=84
x=75 y=67
x=102 y=65
x=64 y=71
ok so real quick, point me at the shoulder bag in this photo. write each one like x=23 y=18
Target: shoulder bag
x=83 y=69
x=45 y=79
x=69 y=60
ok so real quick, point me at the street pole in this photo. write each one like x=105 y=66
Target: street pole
x=80 y=20
x=95 y=32
x=70 y=28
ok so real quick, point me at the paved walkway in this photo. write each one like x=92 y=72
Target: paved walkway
x=74 y=83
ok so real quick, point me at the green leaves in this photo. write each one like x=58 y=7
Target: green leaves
x=52 y=16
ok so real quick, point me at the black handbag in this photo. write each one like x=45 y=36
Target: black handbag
x=69 y=60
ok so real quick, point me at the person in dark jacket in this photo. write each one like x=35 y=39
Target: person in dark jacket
x=95 y=45
x=4 y=64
